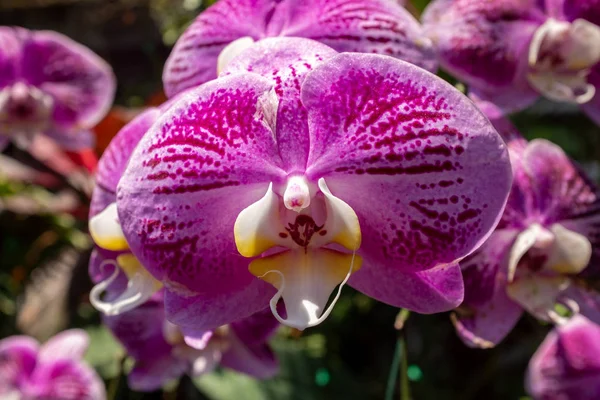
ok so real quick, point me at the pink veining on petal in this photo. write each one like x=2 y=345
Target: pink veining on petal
x=405 y=136
x=208 y=157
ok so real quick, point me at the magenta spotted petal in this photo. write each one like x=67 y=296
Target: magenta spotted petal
x=372 y=26
x=286 y=61
x=209 y=156
x=566 y=365
x=440 y=169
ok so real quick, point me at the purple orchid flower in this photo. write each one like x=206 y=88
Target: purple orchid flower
x=229 y=26
x=54 y=370
x=52 y=85
x=512 y=51
x=549 y=234
x=567 y=364
x=283 y=181
x=162 y=353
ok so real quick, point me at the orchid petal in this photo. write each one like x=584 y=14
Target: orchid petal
x=208 y=157
x=141 y=333
x=81 y=83
x=71 y=344
x=484 y=44
x=371 y=26
x=538 y=294
x=151 y=374
x=114 y=159
x=570 y=253
x=441 y=189
x=255 y=329
x=485 y=272
x=426 y=292
x=585 y=9
x=286 y=61
x=141 y=330
x=72 y=140
x=10 y=49
x=18 y=356
x=66 y=380
x=361 y=26
x=587 y=300
x=257 y=360
x=519 y=96
x=560 y=191
x=194 y=58
x=487 y=325
x=106 y=230
x=210 y=311
x=305 y=280
x=566 y=364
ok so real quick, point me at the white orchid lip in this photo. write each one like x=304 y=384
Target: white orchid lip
x=565 y=253
x=561 y=55
x=106 y=231
x=302 y=222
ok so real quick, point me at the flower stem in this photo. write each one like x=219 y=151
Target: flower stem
x=391 y=383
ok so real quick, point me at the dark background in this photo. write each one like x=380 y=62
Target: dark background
x=44 y=250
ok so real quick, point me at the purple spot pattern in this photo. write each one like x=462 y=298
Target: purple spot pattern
x=399 y=141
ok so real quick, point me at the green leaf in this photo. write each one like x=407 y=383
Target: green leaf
x=105 y=353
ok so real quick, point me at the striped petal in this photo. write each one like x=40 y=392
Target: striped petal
x=440 y=169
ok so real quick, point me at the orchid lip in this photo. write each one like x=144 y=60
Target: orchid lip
x=106 y=231
x=303 y=222
x=140 y=287
x=561 y=55
x=565 y=254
